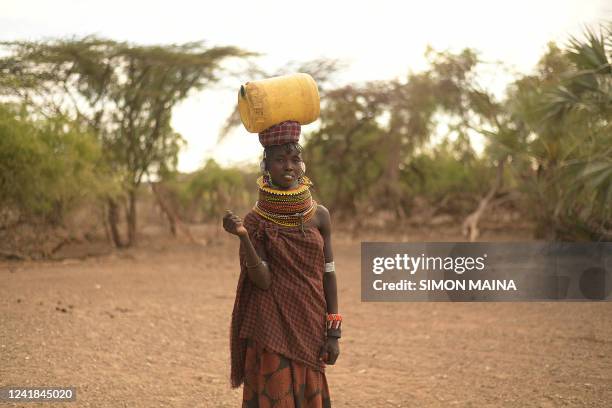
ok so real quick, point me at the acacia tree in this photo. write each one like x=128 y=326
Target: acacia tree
x=122 y=92
x=470 y=108
x=350 y=134
x=374 y=130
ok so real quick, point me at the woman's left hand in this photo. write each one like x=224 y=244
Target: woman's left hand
x=330 y=351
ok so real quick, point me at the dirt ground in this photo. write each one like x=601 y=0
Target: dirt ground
x=149 y=327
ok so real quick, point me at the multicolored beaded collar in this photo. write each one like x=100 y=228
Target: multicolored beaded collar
x=289 y=208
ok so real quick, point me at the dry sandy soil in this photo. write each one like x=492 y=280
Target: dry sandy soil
x=149 y=327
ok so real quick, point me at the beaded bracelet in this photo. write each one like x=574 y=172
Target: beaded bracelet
x=334 y=325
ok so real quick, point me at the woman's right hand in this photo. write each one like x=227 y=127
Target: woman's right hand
x=233 y=224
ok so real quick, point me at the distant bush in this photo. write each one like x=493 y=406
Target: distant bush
x=47 y=167
x=444 y=170
x=205 y=194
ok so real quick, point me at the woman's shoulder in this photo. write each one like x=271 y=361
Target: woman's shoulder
x=323 y=214
x=322 y=210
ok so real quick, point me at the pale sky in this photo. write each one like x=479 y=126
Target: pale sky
x=379 y=39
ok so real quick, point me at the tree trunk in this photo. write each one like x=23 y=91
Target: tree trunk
x=113 y=221
x=170 y=215
x=107 y=230
x=470 y=225
x=131 y=216
x=390 y=191
x=173 y=218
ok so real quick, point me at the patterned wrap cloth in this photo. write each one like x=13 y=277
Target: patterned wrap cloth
x=289 y=317
x=282 y=133
x=272 y=380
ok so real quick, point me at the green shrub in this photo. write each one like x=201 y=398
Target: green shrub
x=48 y=167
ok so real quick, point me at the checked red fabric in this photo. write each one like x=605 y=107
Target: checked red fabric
x=280 y=134
x=289 y=317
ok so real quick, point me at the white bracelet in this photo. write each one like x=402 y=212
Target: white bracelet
x=329 y=267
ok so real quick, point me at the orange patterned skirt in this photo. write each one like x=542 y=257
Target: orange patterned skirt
x=272 y=380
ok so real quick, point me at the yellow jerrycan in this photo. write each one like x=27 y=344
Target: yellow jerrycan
x=270 y=101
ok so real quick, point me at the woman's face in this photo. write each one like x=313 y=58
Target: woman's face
x=284 y=166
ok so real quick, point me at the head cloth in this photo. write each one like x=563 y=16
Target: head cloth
x=281 y=133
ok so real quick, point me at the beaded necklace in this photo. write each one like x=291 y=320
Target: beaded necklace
x=289 y=208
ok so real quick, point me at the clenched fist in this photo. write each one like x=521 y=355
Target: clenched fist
x=233 y=224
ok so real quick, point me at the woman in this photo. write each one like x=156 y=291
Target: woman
x=285 y=322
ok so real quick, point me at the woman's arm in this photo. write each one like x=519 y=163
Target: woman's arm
x=331 y=349
x=329 y=278
x=258 y=271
